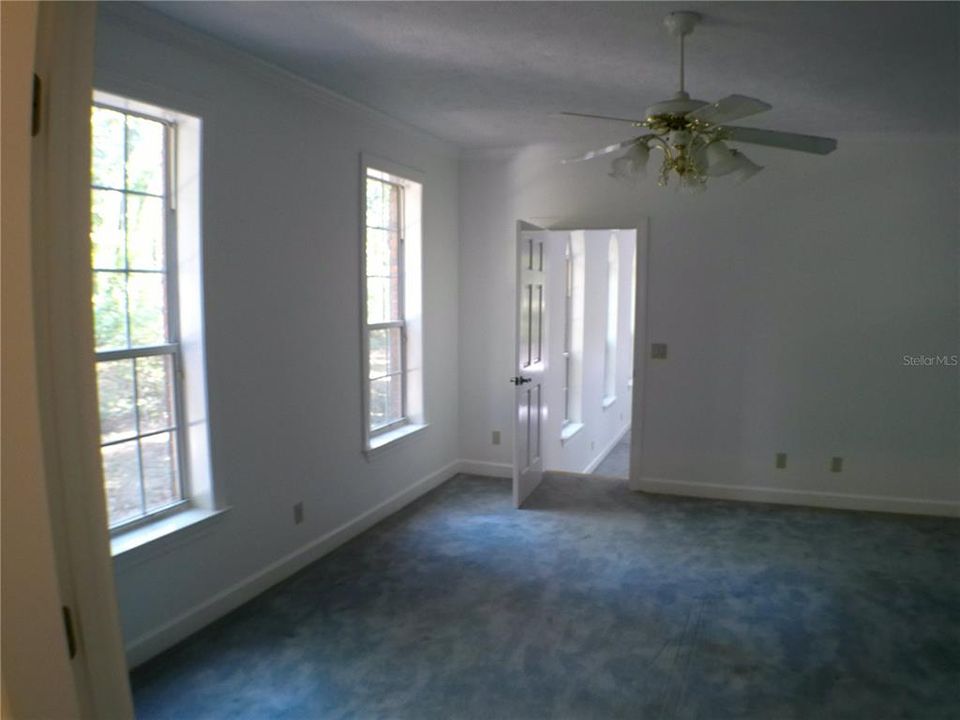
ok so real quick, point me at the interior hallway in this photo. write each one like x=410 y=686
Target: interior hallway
x=593 y=602
x=617 y=462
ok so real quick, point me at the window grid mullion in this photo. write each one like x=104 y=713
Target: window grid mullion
x=139 y=436
x=142 y=193
x=126 y=278
x=397 y=373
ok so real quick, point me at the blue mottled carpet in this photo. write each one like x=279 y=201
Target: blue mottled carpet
x=593 y=602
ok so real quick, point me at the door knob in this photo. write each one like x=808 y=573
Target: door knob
x=520 y=380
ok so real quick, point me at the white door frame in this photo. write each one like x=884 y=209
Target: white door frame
x=69 y=414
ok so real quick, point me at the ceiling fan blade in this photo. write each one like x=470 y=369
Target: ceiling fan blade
x=787 y=141
x=732 y=107
x=599 y=117
x=603 y=151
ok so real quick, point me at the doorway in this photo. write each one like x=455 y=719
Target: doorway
x=588 y=383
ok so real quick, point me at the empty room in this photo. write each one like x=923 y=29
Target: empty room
x=482 y=360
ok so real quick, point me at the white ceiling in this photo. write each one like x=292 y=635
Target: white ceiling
x=485 y=74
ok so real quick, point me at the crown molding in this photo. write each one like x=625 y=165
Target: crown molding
x=157 y=26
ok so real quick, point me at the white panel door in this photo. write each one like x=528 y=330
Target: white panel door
x=531 y=360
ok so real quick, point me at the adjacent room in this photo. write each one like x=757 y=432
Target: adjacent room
x=414 y=360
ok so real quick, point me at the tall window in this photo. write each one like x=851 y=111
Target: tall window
x=573 y=322
x=610 y=346
x=147 y=310
x=391 y=303
x=134 y=302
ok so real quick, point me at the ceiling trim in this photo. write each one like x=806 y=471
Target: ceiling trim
x=173 y=32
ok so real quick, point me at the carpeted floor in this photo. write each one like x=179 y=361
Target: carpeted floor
x=593 y=602
x=617 y=462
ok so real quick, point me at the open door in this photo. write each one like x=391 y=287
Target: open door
x=531 y=360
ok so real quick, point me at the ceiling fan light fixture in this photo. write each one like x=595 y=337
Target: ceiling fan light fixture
x=746 y=168
x=720 y=159
x=691 y=133
x=632 y=164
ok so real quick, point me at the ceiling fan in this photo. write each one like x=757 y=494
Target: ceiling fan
x=693 y=134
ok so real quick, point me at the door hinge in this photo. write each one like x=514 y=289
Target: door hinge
x=71 y=635
x=35 y=119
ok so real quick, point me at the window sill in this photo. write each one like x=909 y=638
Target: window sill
x=391 y=439
x=569 y=430
x=608 y=401
x=148 y=541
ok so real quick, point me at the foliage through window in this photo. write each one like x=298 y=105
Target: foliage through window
x=134 y=307
x=385 y=326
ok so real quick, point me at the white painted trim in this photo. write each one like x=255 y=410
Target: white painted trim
x=157 y=26
x=810 y=498
x=640 y=321
x=487 y=469
x=599 y=458
x=142 y=648
x=67 y=385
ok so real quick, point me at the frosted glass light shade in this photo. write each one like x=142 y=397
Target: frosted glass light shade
x=746 y=168
x=720 y=159
x=632 y=164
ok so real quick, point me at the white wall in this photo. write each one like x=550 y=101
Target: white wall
x=602 y=426
x=787 y=303
x=281 y=237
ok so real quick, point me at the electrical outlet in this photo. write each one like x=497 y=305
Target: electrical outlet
x=297 y=513
x=836 y=464
x=496 y=437
x=658 y=351
x=781 y=461
x=592 y=444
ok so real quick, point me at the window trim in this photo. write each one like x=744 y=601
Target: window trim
x=567 y=354
x=413 y=420
x=172 y=346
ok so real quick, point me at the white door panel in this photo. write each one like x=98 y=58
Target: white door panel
x=529 y=409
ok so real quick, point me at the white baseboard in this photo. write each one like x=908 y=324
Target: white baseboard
x=143 y=648
x=488 y=469
x=595 y=463
x=840 y=501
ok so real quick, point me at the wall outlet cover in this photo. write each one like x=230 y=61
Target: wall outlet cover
x=836 y=464
x=496 y=437
x=297 y=513
x=781 y=460
x=658 y=351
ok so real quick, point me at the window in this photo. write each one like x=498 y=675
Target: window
x=573 y=321
x=385 y=326
x=136 y=309
x=610 y=346
x=567 y=331
x=391 y=305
